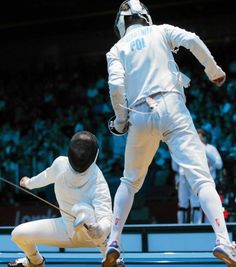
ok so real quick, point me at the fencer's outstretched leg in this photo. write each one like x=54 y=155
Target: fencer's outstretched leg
x=212 y=206
x=122 y=205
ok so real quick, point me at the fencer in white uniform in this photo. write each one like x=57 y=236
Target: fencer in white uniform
x=78 y=185
x=147 y=94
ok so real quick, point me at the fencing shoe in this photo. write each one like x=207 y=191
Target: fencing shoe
x=226 y=252
x=112 y=255
x=25 y=262
x=120 y=263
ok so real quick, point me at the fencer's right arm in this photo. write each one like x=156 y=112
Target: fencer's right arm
x=103 y=206
x=44 y=178
x=180 y=37
x=112 y=128
x=116 y=82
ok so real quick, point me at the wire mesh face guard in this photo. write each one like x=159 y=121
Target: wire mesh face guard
x=83 y=151
x=126 y=10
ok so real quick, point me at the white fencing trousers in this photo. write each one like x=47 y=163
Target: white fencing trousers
x=51 y=232
x=171 y=122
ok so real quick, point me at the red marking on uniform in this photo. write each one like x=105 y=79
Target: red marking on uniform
x=217 y=222
x=117 y=220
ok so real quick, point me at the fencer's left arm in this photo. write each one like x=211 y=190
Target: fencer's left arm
x=180 y=37
x=103 y=209
x=44 y=178
x=116 y=82
x=213 y=157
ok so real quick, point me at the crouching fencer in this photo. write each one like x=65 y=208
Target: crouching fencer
x=82 y=192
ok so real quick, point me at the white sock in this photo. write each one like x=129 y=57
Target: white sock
x=212 y=206
x=123 y=202
x=35 y=258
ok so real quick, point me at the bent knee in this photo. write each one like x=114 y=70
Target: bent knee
x=202 y=185
x=18 y=234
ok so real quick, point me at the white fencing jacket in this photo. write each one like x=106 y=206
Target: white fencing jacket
x=142 y=64
x=72 y=188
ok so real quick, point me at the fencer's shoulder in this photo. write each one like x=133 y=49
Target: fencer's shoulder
x=99 y=175
x=60 y=161
x=163 y=28
x=113 y=50
x=158 y=26
x=98 y=171
x=166 y=27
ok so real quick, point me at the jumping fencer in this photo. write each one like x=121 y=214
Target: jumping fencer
x=147 y=94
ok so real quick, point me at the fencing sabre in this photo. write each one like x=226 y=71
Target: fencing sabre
x=78 y=221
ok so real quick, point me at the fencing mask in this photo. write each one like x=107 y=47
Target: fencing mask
x=83 y=150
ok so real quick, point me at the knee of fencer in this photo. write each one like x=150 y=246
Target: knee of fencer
x=199 y=187
x=17 y=234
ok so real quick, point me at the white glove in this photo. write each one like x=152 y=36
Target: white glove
x=95 y=231
x=116 y=127
x=219 y=81
x=121 y=126
x=84 y=214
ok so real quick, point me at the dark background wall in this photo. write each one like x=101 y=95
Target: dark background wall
x=64 y=30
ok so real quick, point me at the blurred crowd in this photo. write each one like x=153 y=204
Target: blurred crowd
x=41 y=109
